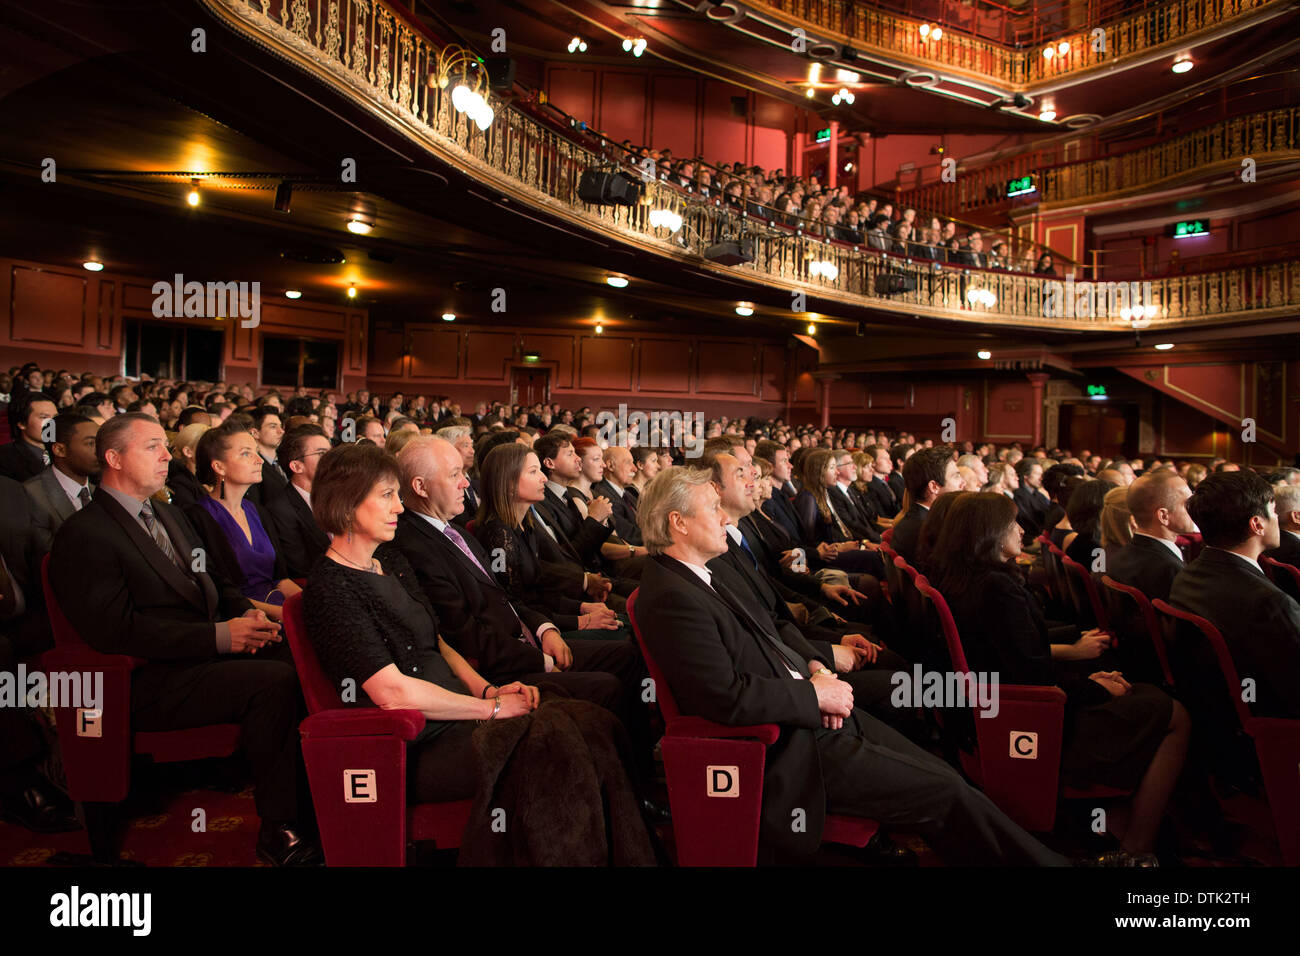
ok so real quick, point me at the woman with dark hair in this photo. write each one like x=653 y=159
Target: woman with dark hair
x=511 y=483
x=1043 y=267
x=1129 y=736
x=371 y=623
x=1084 y=509
x=932 y=526
x=825 y=532
x=1062 y=530
x=238 y=546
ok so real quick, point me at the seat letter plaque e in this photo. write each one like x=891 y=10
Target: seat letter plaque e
x=359 y=786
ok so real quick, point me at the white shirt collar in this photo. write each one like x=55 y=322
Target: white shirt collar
x=615 y=485
x=70 y=487
x=843 y=486
x=734 y=533
x=306 y=495
x=1165 y=541
x=701 y=572
x=436 y=522
x=556 y=487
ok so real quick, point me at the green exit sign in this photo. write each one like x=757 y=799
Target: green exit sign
x=1021 y=186
x=823 y=135
x=1096 y=391
x=1193 y=227
x=532 y=356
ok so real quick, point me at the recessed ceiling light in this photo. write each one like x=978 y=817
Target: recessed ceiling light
x=744 y=309
x=1164 y=346
x=93 y=265
x=600 y=329
x=985 y=354
x=292 y=294
x=192 y=197
x=449 y=316
x=1182 y=64
x=618 y=282
x=359 y=226
x=1047 y=115
x=352 y=292
x=812 y=328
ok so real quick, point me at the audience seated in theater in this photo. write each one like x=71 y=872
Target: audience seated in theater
x=928 y=473
x=898 y=454
x=1054 y=479
x=122 y=572
x=66 y=486
x=1084 y=511
x=1116 y=521
x=725 y=663
x=299 y=539
x=618 y=472
x=586 y=533
x=1031 y=500
x=858 y=516
x=183 y=487
x=646 y=460
x=931 y=528
x=1117 y=734
x=510 y=531
x=883 y=495
x=459 y=432
x=231 y=527
x=1287 y=501
x=823 y=529
x=1225 y=584
x=24 y=457
x=268 y=432
x=475 y=615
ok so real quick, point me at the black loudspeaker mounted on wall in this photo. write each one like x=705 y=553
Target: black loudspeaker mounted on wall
x=501 y=72
x=731 y=253
x=893 y=283
x=608 y=188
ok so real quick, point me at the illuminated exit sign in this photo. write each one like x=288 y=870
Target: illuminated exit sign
x=823 y=135
x=1020 y=187
x=1194 y=227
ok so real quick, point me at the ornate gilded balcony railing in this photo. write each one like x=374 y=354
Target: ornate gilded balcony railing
x=888 y=32
x=1268 y=134
x=367 y=51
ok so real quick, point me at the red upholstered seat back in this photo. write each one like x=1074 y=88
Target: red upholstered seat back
x=318 y=690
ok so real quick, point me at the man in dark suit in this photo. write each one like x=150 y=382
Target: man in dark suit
x=620 y=469
x=299 y=539
x=1151 y=561
x=121 y=570
x=728 y=665
x=882 y=494
x=1259 y=623
x=588 y=534
x=929 y=473
x=1287 y=501
x=269 y=432
x=898 y=456
x=65 y=487
x=779 y=507
x=508 y=642
x=974 y=255
x=24 y=457
x=1031 y=501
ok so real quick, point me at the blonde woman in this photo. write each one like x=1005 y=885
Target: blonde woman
x=182 y=483
x=1116 y=523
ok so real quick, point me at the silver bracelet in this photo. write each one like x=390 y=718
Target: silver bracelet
x=496 y=707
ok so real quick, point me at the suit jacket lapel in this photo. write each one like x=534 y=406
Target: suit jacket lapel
x=153 y=555
x=59 y=501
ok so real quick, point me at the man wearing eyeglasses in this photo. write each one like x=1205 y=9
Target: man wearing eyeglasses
x=300 y=540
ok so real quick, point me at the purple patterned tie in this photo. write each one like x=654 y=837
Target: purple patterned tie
x=459 y=541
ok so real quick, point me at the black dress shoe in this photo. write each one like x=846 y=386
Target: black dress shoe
x=283 y=846
x=882 y=851
x=656 y=814
x=41 y=809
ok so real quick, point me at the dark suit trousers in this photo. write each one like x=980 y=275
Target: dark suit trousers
x=871 y=770
x=261 y=695
x=21 y=742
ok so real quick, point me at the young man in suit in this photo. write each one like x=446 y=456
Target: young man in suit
x=1225 y=584
x=122 y=571
x=587 y=535
x=1151 y=561
x=298 y=538
x=268 y=429
x=65 y=487
x=727 y=664
x=24 y=457
x=898 y=454
x=779 y=507
x=929 y=473
x=1031 y=501
x=881 y=493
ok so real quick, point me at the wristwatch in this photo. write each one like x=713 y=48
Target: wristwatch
x=823 y=672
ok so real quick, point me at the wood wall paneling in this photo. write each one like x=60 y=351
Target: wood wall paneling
x=386 y=344
x=664 y=365
x=773 y=373
x=623 y=110
x=673 y=113
x=107 y=325
x=435 y=353
x=559 y=348
x=48 y=307
x=605 y=362
x=487 y=355
x=726 y=367
x=1221 y=386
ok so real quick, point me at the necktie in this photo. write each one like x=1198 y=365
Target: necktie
x=738 y=608
x=749 y=551
x=84 y=496
x=459 y=541
x=843 y=530
x=158 y=532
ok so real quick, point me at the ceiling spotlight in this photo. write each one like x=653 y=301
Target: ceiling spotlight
x=1164 y=346
x=352 y=291
x=577 y=45
x=292 y=294
x=618 y=282
x=1049 y=52
x=192 y=197
x=1047 y=115
x=812 y=328
x=600 y=329
x=744 y=309
x=283 y=193
x=1063 y=47
x=359 y=226
x=984 y=354
x=1183 y=63
x=811 y=93
x=449 y=316
x=843 y=96
x=93 y=265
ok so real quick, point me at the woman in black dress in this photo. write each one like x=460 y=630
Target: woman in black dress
x=370 y=623
x=1130 y=736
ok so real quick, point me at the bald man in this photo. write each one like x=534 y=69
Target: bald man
x=1151 y=561
x=620 y=472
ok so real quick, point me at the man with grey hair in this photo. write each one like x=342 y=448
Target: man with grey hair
x=976 y=464
x=462 y=437
x=1287 y=500
x=728 y=665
